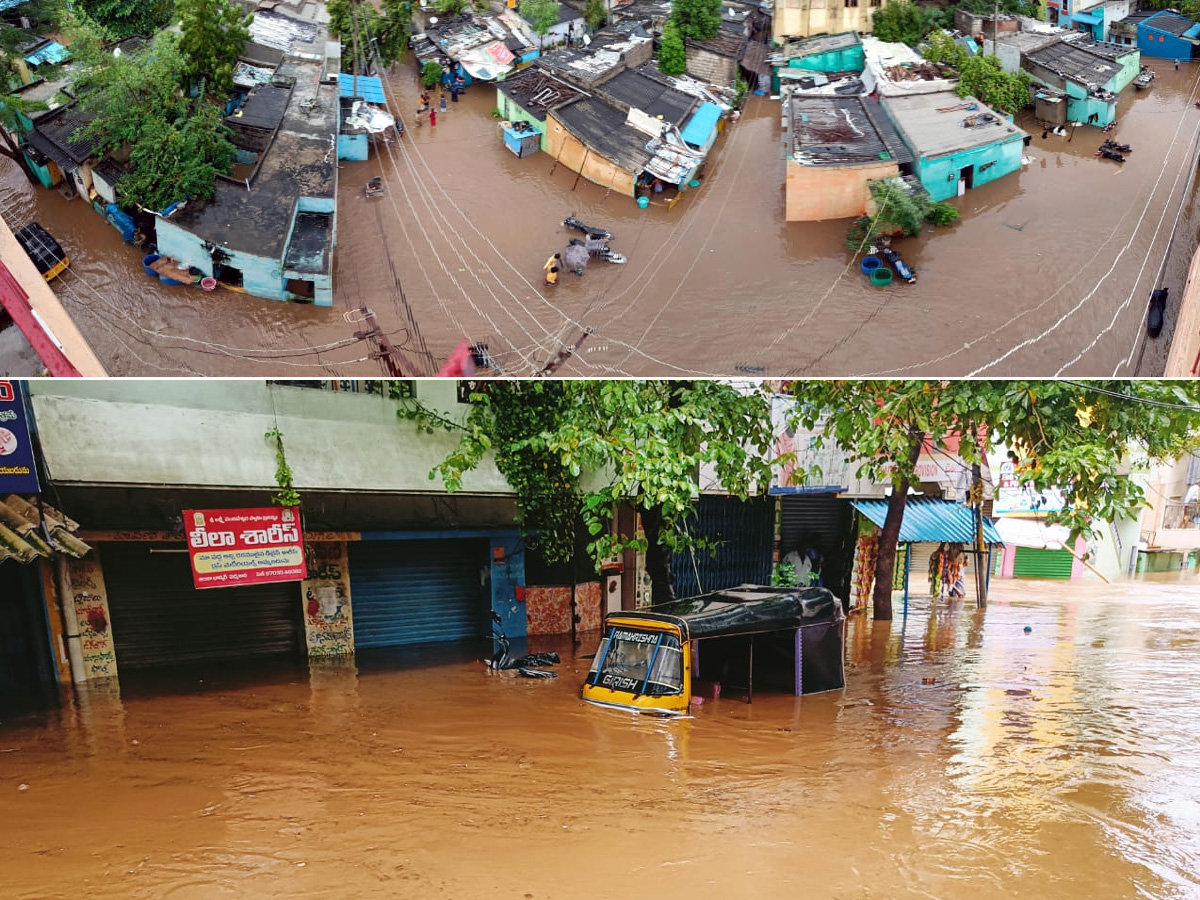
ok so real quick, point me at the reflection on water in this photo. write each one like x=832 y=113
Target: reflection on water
x=965 y=754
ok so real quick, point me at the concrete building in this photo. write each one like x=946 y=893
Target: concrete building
x=954 y=147
x=806 y=18
x=1170 y=523
x=718 y=59
x=836 y=146
x=1125 y=30
x=1168 y=35
x=1090 y=75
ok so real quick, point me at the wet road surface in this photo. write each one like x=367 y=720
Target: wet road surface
x=1056 y=764
x=1048 y=273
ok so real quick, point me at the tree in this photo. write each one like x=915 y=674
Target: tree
x=454 y=8
x=595 y=13
x=897 y=209
x=125 y=18
x=1078 y=437
x=15 y=121
x=698 y=20
x=542 y=15
x=672 y=54
x=179 y=159
x=384 y=31
x=214 y=34
x=643 y=443
x=903 y=22
x=431 y=73
x=982 y=77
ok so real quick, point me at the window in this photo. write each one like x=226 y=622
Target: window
x=639 y=662
x=850 y=3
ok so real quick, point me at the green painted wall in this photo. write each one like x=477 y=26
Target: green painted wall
x=514 y=113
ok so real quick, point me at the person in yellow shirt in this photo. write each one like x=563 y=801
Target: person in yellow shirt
x=552 y=267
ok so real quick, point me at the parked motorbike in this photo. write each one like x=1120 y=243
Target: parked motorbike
x=527 y=665
x=901 y=267
x=598 y=234
x=1120 y=148
x=1157 y=313
x=1110 y=154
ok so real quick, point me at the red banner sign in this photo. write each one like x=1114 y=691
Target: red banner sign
x=230 y=547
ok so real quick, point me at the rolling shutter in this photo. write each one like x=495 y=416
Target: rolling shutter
x=826 y=521
x=744 y=531
x=417 y=592
x=1035 y=563
x=159 y=618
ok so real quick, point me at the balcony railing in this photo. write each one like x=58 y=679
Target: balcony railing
x=1180 y=515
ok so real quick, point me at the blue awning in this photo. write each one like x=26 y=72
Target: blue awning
x=1088 y=18
x=932 y=521
x=1193 y=32
x=369 y=88
x=53 y=52
x=6 y=5
x=700 y=126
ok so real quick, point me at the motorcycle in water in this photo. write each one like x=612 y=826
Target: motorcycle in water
x=902 y=270
x=528 y=665
x=1157 y=313
x=595 y=240
x=1110 y=154
x=1120 y=148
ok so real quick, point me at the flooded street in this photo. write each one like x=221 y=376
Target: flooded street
x=1048 y=272
x=965 y=755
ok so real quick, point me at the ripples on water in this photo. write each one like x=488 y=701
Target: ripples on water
x=965 y=755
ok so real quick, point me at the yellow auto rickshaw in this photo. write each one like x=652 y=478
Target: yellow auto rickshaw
x=650 y=660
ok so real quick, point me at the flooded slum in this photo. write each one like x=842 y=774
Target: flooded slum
x=1048 y=271
x=1045 y=746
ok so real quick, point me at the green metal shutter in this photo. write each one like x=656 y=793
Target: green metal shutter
x=159 y=618
x=417 y=592
x=743 y=532
x=1035 y=563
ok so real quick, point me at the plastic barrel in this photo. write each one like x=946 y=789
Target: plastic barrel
x=643 y=202
x=694 y=183
x=881 y=277
x=146 y=260
x=871 y=264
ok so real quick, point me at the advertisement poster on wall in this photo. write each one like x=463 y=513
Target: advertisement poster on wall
x=1014 y=498
x=18 y=473
x=233 y=547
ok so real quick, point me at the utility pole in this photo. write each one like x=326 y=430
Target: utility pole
x=564 y=354
x=385 y=351
x=976 y=497
x=354 y=42
x=996 y=29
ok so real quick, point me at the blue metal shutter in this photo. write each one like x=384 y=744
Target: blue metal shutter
x=744 y=531
x=417 y=592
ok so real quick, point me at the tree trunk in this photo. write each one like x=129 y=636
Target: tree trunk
x=658 y=557
x=885 y=559
x=13 y=152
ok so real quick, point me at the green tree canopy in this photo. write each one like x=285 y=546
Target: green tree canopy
x=542 y=15
x=904 y=22
x=672 y=54
x=1079 y=438
x=214 y=34
x=897 y=209
x=697 y=19
x=980 y=76
x=125 y=18
x=595 y=13
x=383 y=31
x=643 y=442
x=177 y=159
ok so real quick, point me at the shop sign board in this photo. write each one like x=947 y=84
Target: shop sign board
x=232 y=547
x=18 y=471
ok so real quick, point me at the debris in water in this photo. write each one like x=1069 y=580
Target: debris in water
x=1028 y=629
x=22 y=787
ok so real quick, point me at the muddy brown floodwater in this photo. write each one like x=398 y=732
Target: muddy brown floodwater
x=1048 y=273
x=1062 y=763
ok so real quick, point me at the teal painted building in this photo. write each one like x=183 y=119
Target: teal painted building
x=1090 y=73
x=526 y=96
x=955 y=149
x=827 y=53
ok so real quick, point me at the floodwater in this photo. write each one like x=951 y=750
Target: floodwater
x=1048 y=272
x=964 y=757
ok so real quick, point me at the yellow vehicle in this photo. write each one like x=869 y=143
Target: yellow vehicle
x=651 y=660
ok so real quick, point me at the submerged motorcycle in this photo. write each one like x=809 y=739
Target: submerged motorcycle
x=595 y=240
x=529 y=665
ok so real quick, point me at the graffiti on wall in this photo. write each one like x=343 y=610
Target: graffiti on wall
x=587 y=606
x=328 y=625
x=86 y=583
x=547 y=610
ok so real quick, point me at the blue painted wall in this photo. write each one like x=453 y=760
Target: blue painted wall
x=1080 y=107
x=1161 y=44
x=261 y=276
x=352 y=146
x=940 y=175
x=506 y=573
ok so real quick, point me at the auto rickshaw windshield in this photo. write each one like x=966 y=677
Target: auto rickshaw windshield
x=639 y=662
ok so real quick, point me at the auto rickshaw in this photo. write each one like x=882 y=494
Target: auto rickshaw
x=650 y=660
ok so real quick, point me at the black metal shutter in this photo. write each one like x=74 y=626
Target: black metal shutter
x=159 y=618
x=745 y=532
x=417 y=592
x=826 y=521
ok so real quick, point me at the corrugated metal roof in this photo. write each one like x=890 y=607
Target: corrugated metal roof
x=837 y=131
x=23 y=539
x=930 y=520
x=602 y=128
x=59 y=129
x=1170 y=22
x=369 y=88
x=641 y=89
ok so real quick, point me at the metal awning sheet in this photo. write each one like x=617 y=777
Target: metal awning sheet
x=368 y=87
x=53 y=52
x=930 y=520
x=1087 y=18
x=700 y=126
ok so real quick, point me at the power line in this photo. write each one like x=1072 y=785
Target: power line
x=1146 y=400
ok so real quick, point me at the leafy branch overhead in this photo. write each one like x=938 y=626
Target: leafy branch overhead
x=573 y=452
x=287 y=495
